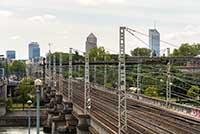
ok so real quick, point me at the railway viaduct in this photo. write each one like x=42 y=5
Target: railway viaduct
x=144 y=115
x=79 y=106
x=75 y=106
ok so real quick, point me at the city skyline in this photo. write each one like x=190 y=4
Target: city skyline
x=67 y=26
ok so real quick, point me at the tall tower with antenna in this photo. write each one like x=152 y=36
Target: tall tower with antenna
x=154 y=41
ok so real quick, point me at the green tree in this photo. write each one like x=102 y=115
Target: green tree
x=176 y=52
x=152 y=92
x=141 y=52
x=18 y=68
x=65 y=57
x=99 y=53
x=187 y=50
x=24 y=90
x=196 y=48
x=194 y=91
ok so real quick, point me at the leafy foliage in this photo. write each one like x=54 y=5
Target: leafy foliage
x=194 y=91
x=99 y=53
x=141 y=52
x=24 y=90
x=152 y=92
x=187 y=50
x=16 y=67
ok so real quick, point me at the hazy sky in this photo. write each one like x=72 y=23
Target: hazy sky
x=67 y=23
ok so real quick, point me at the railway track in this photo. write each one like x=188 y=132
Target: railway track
x=160 y=120
x=143 y=118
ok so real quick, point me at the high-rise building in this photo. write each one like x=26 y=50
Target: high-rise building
x=154 y=42
x=34 y=51
x=91 y=42
x=10 y=54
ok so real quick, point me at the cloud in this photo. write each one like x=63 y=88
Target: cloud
x=190 y=31
x=16 y=37
x=42 y=19
x=49 y=17
x=99 y=2
x=64 y=34
x=5 y=13
x=37 y=19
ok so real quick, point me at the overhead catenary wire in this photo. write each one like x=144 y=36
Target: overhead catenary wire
x=138 y=38
x=78 y=50
x=165 y=42
x=185 y=98
x=147 y=76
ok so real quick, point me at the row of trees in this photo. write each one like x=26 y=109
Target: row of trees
x=100 y=53
x=150 y=74
x=187 y=50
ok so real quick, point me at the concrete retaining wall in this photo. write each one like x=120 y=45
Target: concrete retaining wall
x=191 y=111
x=14 y=119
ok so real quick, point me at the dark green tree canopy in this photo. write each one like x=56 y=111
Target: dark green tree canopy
x=25 y=90
x=141 y=52
x=187 y=50
x=17 y=67
x=100 y=53
x=65 y=56
x=194 y=91
x=152 y=92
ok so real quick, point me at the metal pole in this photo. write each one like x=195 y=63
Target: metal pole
x=70 y=76
x=95 y=70
x=54 y=68
x=138 y=78
x=168 y=88
x=122 y=96
x=44 y=69
x=29 y=120
x=105 y=73
x=60 y=74
x=87 y=99
x=38 y=110
x=50 y=69
x=168 y=52
x=79 y=69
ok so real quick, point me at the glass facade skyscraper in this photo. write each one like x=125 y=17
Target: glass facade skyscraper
x=154 y=42
x=10 y=54
x=34 y=50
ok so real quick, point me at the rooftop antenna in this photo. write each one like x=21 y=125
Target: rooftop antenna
x=154 y=24
x=50 y=47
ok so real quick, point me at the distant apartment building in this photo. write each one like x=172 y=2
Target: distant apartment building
x=10 y=54
x=154 y=42
x=34 y=51
x=91 y=42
